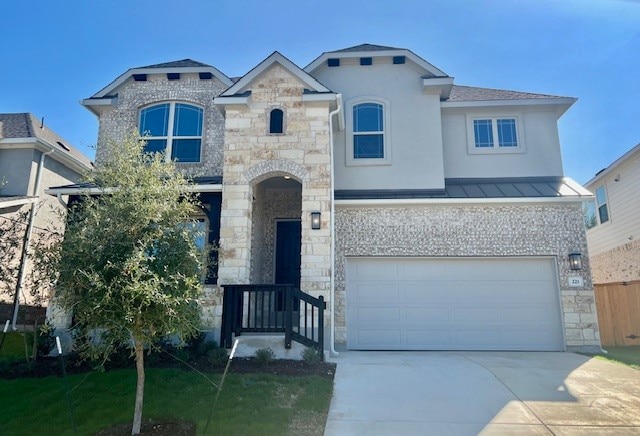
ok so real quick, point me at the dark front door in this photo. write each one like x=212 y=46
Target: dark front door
x=288 y=236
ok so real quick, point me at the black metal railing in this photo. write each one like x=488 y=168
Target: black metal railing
x=272 y=309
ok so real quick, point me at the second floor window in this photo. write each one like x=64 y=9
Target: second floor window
x=486 y=130
x=596 y=212
x=175 y=128
x=276 y=121
x=368 y=131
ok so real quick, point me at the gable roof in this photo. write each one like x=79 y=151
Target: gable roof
x=365 y=47
x=622 y=159
x=368 y=50
x=275 y=58
x=180 y=66
x=184 y=63
x=21 y=126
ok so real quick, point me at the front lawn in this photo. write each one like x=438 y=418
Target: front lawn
x=250 y=404
x=13 y=346
x=627 y=355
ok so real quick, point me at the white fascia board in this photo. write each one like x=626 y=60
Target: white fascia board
x=567 y=101
x=100 y=191
x=613 y=165
x=577 y=187
x=44 y=146
x=186 y=70
x=458 y=201
x=227 y=101
x=319 y=97
x=438 y=85
x=17 y=202
x=275 y=57
x=95 y=104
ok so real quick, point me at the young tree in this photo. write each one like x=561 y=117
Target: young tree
x=129 y=267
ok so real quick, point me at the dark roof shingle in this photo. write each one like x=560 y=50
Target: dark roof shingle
x=184 y=63
x=365 y=47
x=26 y=125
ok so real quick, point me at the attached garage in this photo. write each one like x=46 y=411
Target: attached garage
x=453 y=304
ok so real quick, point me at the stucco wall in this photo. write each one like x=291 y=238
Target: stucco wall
x=474 y=230
x=539 y=136
x=119 y=121
x=414 y=135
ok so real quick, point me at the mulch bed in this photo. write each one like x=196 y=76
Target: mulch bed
x=153 y=427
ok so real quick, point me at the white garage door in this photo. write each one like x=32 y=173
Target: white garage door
x=452 y=304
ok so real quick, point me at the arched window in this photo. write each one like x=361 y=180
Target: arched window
x=276 y=121
x=368 y=131
x=175 y=128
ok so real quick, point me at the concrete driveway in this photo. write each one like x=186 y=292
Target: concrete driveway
x=465 y=393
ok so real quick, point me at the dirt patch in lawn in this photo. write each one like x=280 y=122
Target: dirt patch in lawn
x=153 y=427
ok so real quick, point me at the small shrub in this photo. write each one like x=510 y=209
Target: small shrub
x=194 y=343
x=205 y=347
x=311 y=356
x=182 y=354
x=217 y=356
x=265 y=355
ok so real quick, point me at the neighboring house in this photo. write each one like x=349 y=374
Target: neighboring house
x=613 y=220
x=429 y=215
x=32 y=158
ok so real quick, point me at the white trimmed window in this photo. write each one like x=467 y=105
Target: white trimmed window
x=173 y=128
x=596 y=211
x=368 y=134
x=501 y=134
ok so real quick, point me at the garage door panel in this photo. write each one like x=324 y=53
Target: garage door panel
x=378 y=315
x=464 y=315
x=376 y=270
x=415 y=269
x=422 y=293
x=384 y=293
x=422 y=314
x=418 y=339
x=379 y=338
x=512 y=304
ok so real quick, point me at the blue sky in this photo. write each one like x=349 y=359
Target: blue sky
x=57 y=53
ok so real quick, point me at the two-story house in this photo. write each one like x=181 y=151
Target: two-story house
x=32 y=158
x=430 y=216
x=613 y=222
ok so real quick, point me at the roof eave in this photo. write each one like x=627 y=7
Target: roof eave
x=563 y=103
x=621 y=160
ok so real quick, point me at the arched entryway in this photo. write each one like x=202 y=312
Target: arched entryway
x=276 y=231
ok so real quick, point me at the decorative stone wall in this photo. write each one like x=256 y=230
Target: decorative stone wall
x=620 y=264
x=252 y=155
x=119 y=121
x=474 y=230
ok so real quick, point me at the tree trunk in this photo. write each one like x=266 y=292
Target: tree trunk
x=137 y=414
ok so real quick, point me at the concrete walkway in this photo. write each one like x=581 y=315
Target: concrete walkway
x=466 y=393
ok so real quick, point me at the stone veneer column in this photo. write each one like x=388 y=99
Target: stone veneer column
x=251 y=155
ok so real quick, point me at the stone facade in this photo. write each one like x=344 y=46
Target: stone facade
x=122 y=119
x=620 y=264
x=474 y=230
x=252 y=155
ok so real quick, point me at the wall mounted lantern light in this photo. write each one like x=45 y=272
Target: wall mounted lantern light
x=575 y=261
x=315 y=220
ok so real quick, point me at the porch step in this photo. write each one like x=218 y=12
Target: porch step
x=248 y=344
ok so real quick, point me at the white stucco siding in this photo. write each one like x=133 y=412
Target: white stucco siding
x=414 y=137
x=538 y=135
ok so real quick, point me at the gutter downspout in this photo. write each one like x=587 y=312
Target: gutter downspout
x=27 y=240
x=332 y=350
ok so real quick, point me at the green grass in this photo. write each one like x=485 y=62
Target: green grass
x=255 y=404
x=628 y=355
x=13 y=346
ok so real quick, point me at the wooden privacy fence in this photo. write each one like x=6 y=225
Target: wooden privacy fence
x=618 y=313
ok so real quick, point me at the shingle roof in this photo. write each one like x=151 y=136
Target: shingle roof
x=472 y=93
x=365 y=47
x=184 y=63
x=518 y=187
x=26 y=125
